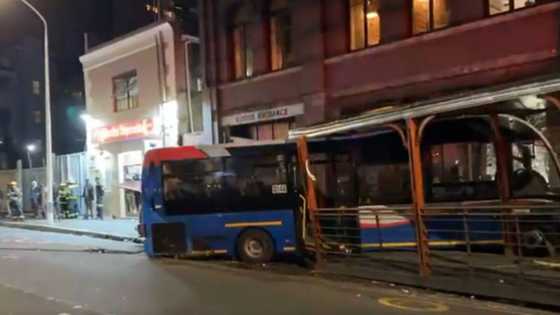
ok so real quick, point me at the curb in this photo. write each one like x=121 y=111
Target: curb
x=63 y=230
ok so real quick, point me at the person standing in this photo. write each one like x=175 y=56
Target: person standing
x=37 y=199
x=14 y=200
x=89 y=198
x=99 y=195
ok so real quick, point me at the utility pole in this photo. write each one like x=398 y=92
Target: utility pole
x=48 y=128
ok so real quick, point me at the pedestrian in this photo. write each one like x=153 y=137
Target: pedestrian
x=37 y=198
x=14 y=201
x=89 y=199
x=99 y=195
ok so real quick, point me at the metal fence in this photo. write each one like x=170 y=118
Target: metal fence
x=501 y=250
x=67 y=168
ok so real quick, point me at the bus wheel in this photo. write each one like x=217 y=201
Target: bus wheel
x=255 y=246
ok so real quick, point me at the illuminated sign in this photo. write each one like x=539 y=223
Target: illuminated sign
x=123 y=132
x=263 y=115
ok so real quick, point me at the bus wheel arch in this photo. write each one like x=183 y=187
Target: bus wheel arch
x=255 y=246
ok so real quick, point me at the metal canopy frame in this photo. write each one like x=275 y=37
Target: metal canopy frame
x=446 y=105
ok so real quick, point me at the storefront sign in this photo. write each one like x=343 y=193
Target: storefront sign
x=124 y=131
x=263 y=115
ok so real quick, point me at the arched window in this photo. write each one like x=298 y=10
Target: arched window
x=281 y=54
x=365 y=23
x=242 y=51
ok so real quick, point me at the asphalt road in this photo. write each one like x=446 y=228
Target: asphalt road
x=43 y=273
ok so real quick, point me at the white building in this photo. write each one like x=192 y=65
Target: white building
x=143 y=91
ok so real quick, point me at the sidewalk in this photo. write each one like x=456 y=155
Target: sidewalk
x=123 y=230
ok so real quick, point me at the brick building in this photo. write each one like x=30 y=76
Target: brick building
x=273 y=65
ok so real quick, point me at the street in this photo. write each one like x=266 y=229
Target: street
x=44 y=273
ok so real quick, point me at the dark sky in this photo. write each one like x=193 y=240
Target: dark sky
x=68 y=21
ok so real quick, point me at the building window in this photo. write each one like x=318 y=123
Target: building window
x=125 y=89
x=242 y=53
x=429 y=15
x=36 y=88
x=37 y=116
x=280 y=35
x=365 y=23
x=503 y=6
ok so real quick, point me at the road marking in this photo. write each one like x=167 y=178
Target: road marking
x=413 y=305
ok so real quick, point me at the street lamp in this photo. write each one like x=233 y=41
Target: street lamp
x=30 y=149
x=48 y=132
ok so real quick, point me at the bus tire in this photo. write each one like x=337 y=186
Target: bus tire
x=255 y=246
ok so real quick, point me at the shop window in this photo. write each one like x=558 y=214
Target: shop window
x=277 y=130
x=365 y=23
x=503 y=6
x=429 y=15
x=280 y=35
x=462 y=171
x=125 y=89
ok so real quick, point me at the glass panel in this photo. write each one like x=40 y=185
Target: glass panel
x=257 y=182
x=133 y=92
x=265 y=132
x=253 y=132
x=498 y=6
x=534 y=172
x=281 y=130
x=194 y=186
x=357 y=24
x=373 y=23
x=518 y=4
x=463 y=171
x=441 y=13
x=249 y=60
x=121 y=94
x=238 y=52
x=421 y=16
x=280 y=41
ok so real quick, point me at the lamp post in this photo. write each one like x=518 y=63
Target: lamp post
x=30 y=149
x=48 y=131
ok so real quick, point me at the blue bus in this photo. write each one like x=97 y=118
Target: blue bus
x=249 y=201
x=220 y=200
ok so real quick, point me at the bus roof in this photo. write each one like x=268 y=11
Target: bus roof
x=157 y=156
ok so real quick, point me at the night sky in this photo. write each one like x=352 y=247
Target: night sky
x=68 y=20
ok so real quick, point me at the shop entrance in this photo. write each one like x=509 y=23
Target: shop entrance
x=130 y=172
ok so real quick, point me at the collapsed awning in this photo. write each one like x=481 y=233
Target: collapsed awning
x=453 y=103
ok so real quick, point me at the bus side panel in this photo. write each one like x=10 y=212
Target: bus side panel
x=219 y=232
x=443 y=232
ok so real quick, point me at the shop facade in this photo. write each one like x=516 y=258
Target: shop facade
x=138 y=98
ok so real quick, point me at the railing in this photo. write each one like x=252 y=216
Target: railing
x=502 y=242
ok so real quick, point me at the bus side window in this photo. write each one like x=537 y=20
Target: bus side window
x=260 y=182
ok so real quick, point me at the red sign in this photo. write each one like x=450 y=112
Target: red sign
x=124 y=131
